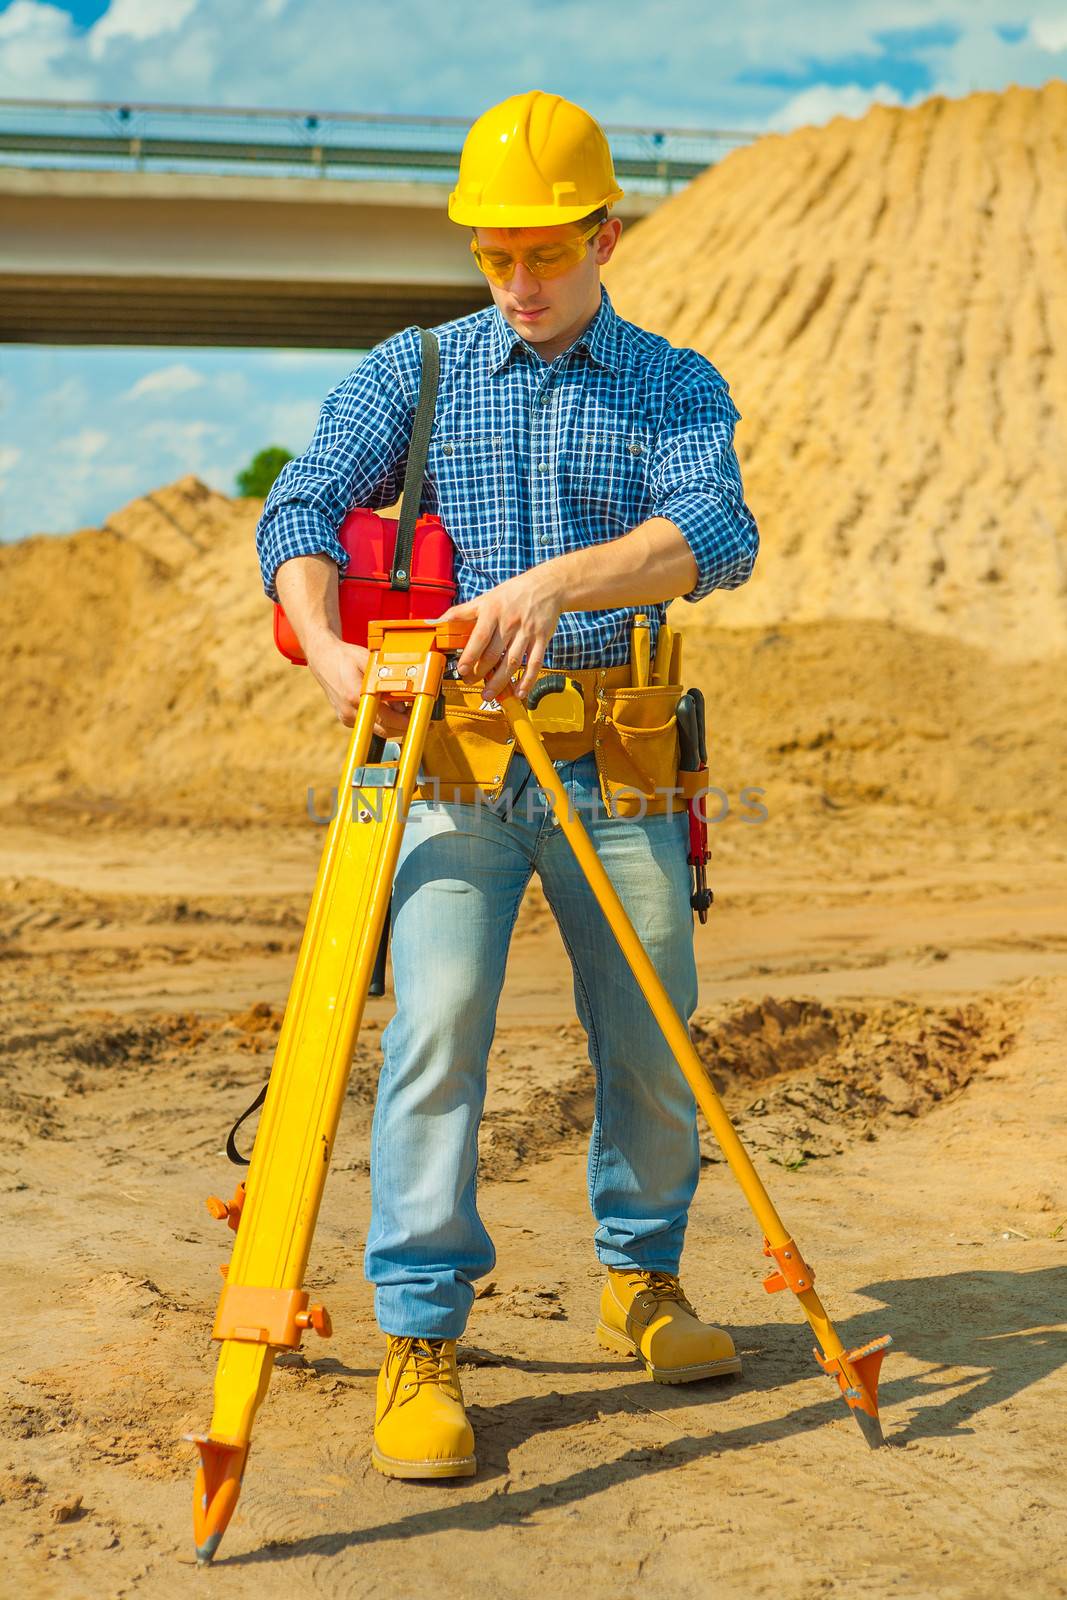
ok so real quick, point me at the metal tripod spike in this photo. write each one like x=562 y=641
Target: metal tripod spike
x=263 y=1308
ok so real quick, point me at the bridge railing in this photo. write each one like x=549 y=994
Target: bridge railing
x=112 y=135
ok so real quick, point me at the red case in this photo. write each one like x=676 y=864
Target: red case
x=364 y=590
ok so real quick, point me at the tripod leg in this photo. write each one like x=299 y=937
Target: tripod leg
x=263 y=1308
x=856 y=1371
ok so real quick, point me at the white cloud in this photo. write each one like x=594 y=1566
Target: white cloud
x=137 y=19
x=84 y=445
x=183 y=440
x=232 y=387
x=71 y=498
x=822 y=101
x=9 y=457
x=1050 y=33
x=305 y=360
x=67 y=402
x=85 y=448
x=291 y=423
x=38 y=52
x=164 y=382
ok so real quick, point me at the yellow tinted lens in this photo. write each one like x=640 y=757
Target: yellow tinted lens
x=549 y=261
x=552 y=260
x=497 y=264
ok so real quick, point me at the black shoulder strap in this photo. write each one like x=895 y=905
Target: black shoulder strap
x=400 y=577
x=231 y=1143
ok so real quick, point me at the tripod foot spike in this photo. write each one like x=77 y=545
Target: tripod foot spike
x=205 y=1551
x=857 y=1372
x=218 y=1483
x=870 y=1427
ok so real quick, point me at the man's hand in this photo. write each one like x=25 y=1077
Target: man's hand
x=340 y=668
x=513 y=624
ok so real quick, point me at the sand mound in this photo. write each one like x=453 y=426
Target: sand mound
x=827 y=1075
x=160 y=689
x=888 y=300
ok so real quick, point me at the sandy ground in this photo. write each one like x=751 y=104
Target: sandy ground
x=887 y=1025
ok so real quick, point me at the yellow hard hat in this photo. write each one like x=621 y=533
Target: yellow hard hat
x=532 y=160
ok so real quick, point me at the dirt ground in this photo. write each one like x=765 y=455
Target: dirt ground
x=885 y=1013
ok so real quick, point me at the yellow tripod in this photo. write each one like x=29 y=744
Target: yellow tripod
x=263 y=1308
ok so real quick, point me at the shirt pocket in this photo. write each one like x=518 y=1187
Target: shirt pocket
x=468 y=474
x=605 y=476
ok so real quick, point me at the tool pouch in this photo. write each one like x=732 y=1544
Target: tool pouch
x=470 y=749
x=467 y=750
x=637 y=750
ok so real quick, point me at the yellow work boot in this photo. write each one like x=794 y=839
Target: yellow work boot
x=420 y=1426
x=645 y=1314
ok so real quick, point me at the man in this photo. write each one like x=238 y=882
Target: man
x=584 y=470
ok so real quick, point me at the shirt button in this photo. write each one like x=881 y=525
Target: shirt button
x=542 y=466
x=446 y=450
x=635 y=447
x=544 y=538
x=545 y=399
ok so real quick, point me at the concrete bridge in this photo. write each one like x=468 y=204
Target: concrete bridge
x=181 y=226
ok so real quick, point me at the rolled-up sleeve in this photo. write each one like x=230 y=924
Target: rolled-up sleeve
x=356 y=457
x=696 y=481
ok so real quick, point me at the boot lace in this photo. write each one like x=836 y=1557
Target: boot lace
x=425 y=1357
x=660 y=1286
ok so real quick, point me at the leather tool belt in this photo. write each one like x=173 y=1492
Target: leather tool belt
x=633 y=732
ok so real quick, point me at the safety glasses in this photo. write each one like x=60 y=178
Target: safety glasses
x=549 y=259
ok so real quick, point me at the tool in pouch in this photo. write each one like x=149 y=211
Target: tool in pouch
x=692 y=768
x=661 y=665
x=692 y=754
x=640 y=634
x=264 y=1309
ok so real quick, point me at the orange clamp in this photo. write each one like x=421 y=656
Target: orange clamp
x=268 y=1316
x=316 y=1317
x=793 y=1272
x=228 y=1211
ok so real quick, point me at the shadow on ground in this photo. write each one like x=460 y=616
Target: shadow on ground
x=981 y=1338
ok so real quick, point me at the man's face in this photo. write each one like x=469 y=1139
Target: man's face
x=550 y=312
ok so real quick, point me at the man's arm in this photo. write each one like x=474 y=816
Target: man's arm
x=356 y=458
x=652 y=562
x=701 y=537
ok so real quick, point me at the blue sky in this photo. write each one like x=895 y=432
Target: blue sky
x=84 y=430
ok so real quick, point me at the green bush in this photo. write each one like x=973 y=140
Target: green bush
x=256 y=479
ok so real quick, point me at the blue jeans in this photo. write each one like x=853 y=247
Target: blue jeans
x=459 y=882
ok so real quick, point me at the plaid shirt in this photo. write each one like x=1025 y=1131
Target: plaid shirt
x=530 y=459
